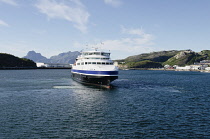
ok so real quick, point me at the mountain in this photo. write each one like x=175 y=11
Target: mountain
x=159 y=59
x=36 y=57
x=7 y=60
x=68 y=57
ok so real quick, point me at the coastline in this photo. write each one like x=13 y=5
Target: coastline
x=162 y=69
x=30 y=68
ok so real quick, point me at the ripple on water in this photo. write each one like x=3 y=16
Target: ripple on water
x=142 y=104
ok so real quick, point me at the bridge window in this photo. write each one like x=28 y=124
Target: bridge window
x=96 y=53
x=104 y=58
x=105 y=54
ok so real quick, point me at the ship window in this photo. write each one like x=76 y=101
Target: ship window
x=111 y=63
x=105 y=54
x=82 y=63
x=103 y=63
x=85 y=63
x=93 y=62
x=104 y=58
x=99 y=63
x=78 y=63
x=89 y=63
x=96 y=53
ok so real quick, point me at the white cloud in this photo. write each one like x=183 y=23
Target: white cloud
x=130 y=45
x=2 y=23
x=73 y=11
x=140 y=42
x=132 y=31
x=135 y=42
x=114 y=3
x=11 y=2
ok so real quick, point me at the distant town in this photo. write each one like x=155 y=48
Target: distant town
x=203 y=66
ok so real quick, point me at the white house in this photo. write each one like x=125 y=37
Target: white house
x=192 y=67
x=207 y=68
x=183 y=68
x=39 y=64
x=167 y=66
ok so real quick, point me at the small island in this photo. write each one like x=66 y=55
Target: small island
x=8 y=61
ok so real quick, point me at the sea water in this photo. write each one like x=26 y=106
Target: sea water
x=142 y=104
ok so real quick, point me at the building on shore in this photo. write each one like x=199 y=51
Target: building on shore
x=201 y=66
x=206 y=62
x=192 y=67
x=53 y=65
x=208 y=69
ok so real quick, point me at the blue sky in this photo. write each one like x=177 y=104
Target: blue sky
x=126 y=27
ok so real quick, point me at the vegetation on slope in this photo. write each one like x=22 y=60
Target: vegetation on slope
x=159 y=59
x=7 y=60
x=188 y=57
x=148 y=60
x=161 y=56
x=144 y=64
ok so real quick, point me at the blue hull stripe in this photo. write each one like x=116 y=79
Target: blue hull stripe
x=96 y=72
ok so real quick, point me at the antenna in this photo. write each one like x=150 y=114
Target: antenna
x=86 y=46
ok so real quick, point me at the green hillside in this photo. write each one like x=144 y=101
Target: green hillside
x=7 y=60
x=159 y=59
x=161 y=56
x=144 y=64
x=147 y=60
x=188 y=57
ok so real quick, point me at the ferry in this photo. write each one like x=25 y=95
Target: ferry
x=95 y=68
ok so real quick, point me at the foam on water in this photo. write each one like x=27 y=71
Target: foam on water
x=68 y=87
